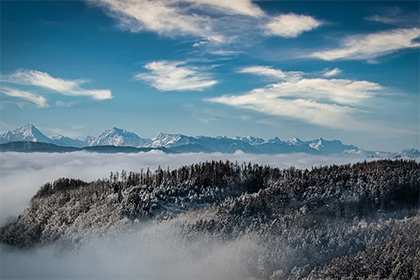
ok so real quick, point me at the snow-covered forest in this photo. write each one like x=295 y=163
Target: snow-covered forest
x=355 y=220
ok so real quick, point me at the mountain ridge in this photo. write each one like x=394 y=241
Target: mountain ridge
x=118 y=137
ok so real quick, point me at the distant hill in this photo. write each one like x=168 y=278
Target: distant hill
x=32 y=147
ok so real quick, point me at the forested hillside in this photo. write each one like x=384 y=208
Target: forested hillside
x=332 y=222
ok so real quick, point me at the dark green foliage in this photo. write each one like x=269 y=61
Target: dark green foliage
x=60 y=185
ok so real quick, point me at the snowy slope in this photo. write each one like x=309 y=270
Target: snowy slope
x=27 y=132
x=65 y=141
x=119 y=137
x=168 y=140
x=329 y=146
x=250 y=140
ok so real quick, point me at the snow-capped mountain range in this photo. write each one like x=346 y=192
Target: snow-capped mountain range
x=183 y=143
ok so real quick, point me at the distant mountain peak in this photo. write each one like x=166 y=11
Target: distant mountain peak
x=274 y=140
x=295 y=142
x=252 y=140
x=118 y=137
x=27 y=132
x=172 y=140
x=119 y=130
x=27 y=126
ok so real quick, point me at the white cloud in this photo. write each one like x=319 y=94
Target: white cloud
x=364 y=47
x=291 y=25
x=213 y=22
x=337 y=90
x=64 y=104
x=201 y=43
x=324 y=102
x=164 y=17
x=322 y=114
x=277 y=74
x=264 y=71
x=65 y=87
x=333 y=72
x=225 y=52
x=234 y=7
x=98 y=94
x=41 y=79
x=175 y=76
x=38 y=100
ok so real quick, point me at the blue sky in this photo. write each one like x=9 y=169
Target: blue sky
x=333 y=69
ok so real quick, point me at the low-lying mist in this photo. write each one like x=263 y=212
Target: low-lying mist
x=157 y=251
x=22 y=174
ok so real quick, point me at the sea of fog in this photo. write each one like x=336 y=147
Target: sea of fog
x=155 y=251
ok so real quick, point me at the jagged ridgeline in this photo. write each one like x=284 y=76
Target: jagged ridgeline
x=328 y=222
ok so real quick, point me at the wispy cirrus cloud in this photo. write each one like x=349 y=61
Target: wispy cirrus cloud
x=271 y=72
x=323 y=114
x=38 y=100
x=225 y=52
x=213 y=22
x=64 y=104
x=46 y=81
x=176 y=17
x=395 y=16
x=325 y=102
x=235 y=7
x=163 y=17
x=341 y=91
x=291 y=25
x=176 y=76
x=264 y=71
x=370 y=46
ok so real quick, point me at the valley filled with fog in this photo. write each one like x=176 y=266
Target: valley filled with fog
x=197 y=216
